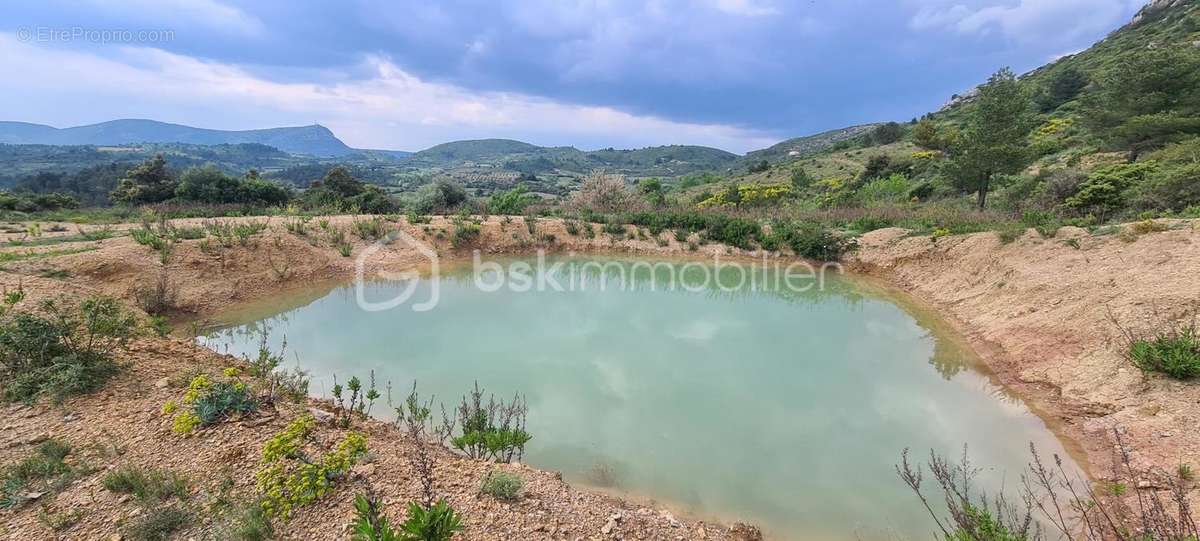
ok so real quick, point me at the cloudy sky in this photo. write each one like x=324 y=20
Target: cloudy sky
x=401 y=74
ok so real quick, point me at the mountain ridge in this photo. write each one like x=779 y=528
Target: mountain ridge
x=315 y=139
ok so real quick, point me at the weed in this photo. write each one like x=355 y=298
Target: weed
x=97 y=234
x=160 y=298
x=58 y=274
x=344 y=248
x=44 y=469
x=146 y=484
x=1145 y=227
x=1010 y=234
x=414 y=218
x=59 y=521
x=615 y=230
x=159 y=325
x=297 y=226
x=502 y=485
x=1072 y=505
x=369 y=230
x=158 y=524
x=1185 y=472
x=1175 y=352
x=572 y=228
x=251 y=523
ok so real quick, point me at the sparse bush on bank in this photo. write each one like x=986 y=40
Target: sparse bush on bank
x=59 y=351
x=1173 y=350
x=1070 y=504
x=502 y=485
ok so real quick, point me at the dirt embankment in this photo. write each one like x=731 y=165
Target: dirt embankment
x=1041 y=312
x=124 y=424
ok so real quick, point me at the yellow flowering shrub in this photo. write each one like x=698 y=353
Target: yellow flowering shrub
x=288 y=479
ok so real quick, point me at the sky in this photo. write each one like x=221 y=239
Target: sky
x=399 y=74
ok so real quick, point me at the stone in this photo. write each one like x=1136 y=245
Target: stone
x=321 y=415
x=162 y=383
x=608 y=527
x=745 y=532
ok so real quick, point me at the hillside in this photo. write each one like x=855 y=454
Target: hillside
x=530 y=159
x=315 y=140
x=808 y=145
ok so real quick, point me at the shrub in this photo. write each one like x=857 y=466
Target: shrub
x=494 y=430
x=502 y=485
x=210 y=402
x=602 y=192
x=511 y=202
x=60 y=352
x=810 y=240
x=290 y=478
x=465 y=233
x=1175 y=352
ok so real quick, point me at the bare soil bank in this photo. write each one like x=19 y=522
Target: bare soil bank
x=1040 y=312
x=1036 y=310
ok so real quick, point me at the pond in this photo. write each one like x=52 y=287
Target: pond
x=785 y=407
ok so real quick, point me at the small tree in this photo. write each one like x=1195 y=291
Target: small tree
x=801 y=179
x=887 y=134
x=652 y=190
x=1064 y=85
x=925 y=135
x=994 y=141
x=149 y=182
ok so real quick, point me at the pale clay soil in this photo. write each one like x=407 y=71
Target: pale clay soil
x=1037 y=311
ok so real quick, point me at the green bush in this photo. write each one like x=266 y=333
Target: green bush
x=494 y=430
x=1175 y=353
x=511 y=202
x=502 y=485
x=810 y=240
x=60 y=352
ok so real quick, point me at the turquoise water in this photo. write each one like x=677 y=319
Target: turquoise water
x=783 y=409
